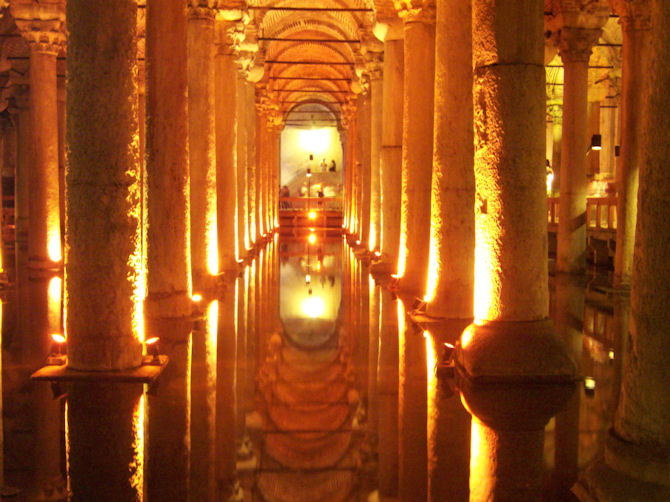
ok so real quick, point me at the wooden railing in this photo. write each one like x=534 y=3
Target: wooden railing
x=311 y=203
x=600 y=213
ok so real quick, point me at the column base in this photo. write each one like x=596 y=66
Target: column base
x=601 y=483
x=40 y=268
x=514 y=351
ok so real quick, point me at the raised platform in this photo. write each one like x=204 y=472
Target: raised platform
x=147 y=373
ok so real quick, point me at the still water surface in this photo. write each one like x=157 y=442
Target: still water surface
x=284 y=389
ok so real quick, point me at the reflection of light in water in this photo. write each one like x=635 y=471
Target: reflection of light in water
x=311 y=238
x=67 y=447
x=54 y=289
x=137 y=466
x=313 y=306
x=54 y=304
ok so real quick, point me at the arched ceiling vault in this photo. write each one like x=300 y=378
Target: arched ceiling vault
x=313 y=51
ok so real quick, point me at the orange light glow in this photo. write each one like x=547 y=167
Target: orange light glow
x=372 y=241
x=58 y=338
x=402 y=254
x=53 y=246
x=467 y=335
x=433 y=265
x=212 y=247
x=196 y=297
x=311 y=239
x=312 y=215
x=137 y=478
x=55 y=289
x=212 y=322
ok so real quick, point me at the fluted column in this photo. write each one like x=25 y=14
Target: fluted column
x=574 y=45
x=103 y=197
x=42 y=27
x=417 y=146
x=636 y=24
x=376 y=110
x=512 y=342
x=391 y=149
x=226 y=149
x=202 y=142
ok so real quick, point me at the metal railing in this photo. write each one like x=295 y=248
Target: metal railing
x=600 y=213
x=310 y=203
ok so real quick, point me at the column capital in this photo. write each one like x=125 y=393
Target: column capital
x=202 y=9
x=589 y=14
x=229 y=34
x=416 y=11
x=42 y=25
x=575 y=44
x=633 y=14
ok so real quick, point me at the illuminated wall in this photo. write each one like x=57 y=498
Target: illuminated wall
x=298 y=143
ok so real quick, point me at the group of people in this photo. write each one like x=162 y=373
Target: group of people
x=325 y=167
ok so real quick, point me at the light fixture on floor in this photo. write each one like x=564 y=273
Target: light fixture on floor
x=151 y=356
x=596 y=143
x=57 y=356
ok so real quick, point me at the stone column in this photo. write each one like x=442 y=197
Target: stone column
x=202 y=142
x=636 y=24
x=638 y=445
x=575 y=49
x=242 y=203
x=391 y=149
x=168 y=243
x=374 y=68
x=512 y=345
x=260 y=163
x=103 y=196
x=43 y=29
x=252 y=168
x=453 y=182
x=417 y=146
x=363 y=162
x=226 y=150
x=20 y=111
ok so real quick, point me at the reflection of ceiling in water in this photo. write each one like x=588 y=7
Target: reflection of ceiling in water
x=310 y=445
x=310 y=292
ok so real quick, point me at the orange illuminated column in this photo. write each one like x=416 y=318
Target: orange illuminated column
x=364 y=167
x=252 y=168
x=638 y=444
x=201 y=147
x=636 y=23
x=450 y=288
x=417 y=146
x=168 y=243
x=226 y=149
x=43 y=30
x=575 y=42
x=103 y=243
x=391 y=147
x=512 y=345
x=274 y=171
x=241 y=164
x=374 y=68
x=260 y=163
x=452 y=241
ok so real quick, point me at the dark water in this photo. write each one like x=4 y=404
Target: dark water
x=283 y=391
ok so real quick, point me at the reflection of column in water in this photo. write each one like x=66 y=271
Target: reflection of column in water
x=168 y=414
x=42 y=319
x=412 y=414
x=241 y=356
x=569 y=321
x=203 y=406
x=373 y=339
x=388 y=397
x=226 y=474
x=105 y=443
x=448 y=429
x=362 y=344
